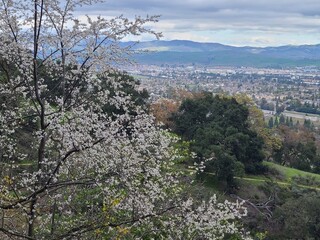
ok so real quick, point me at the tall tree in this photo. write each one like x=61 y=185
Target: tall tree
x=270 y=122
x=282 y=119
x=219 y=130
x=79 y=174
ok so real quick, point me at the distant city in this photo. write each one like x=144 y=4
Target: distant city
x=295 y=92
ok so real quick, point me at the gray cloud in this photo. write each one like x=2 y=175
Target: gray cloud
x=278 y=16
x=306 y=7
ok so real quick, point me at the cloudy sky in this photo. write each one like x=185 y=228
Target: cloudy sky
x=233 y=22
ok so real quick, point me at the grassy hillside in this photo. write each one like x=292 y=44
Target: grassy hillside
x=278 y=174
x=290 y=173
x=281 y=175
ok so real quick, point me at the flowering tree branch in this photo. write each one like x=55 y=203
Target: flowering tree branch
x=79 y=157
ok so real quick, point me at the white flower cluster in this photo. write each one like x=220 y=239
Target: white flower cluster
x=78 y=157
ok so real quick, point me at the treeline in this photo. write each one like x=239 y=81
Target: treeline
x=290 y=105
x=277 y=121
x=306 y=107
x=281 y=120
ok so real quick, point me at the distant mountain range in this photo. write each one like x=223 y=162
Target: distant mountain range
x=215 y=54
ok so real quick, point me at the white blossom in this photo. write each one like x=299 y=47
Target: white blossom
x=69 y=167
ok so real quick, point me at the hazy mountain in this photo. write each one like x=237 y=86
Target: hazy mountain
x=180 y=46
x=188 y=52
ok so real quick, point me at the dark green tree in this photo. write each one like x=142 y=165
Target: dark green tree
x=270 y=122
x=287 y=121
x=282 y=119
x=276 y=122
x=308 y=124
x=299 y=218
x=291 y=122
x=218 y=129
x=265 y=105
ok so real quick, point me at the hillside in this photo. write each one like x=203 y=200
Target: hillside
x=283 y=204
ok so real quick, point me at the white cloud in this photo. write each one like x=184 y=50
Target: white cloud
x=244 y=19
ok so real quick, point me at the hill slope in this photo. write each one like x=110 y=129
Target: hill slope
x=215 y=54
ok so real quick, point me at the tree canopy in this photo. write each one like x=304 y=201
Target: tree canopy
x=219 y=132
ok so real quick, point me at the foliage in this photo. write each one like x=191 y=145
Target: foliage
x=298 y=149
x=220 y=134
x=283 y=210
x=296 y=105
x=291 y=173
x=302 y=224
x=163 y=109
x=270 y=122
x=94 y=164
x=257 y=124
x=265 y=105
x=311 y=181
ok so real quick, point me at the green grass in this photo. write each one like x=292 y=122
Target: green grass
x=288 y=173
x=283 y=176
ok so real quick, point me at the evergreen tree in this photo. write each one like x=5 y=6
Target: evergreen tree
x=291 y=122
x=287 y=121
x=270 y=122
x=276 y=122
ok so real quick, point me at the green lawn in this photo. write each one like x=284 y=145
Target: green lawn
x=288 y=173
x=285 y=176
